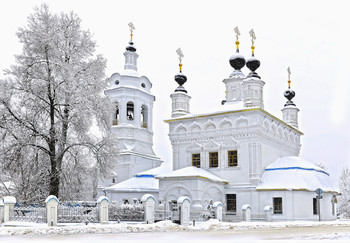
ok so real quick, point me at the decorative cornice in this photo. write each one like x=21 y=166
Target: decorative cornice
x=231 y=112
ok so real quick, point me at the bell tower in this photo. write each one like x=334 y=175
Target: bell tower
x=132 y=121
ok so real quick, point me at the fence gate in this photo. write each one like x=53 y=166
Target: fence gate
x=33 y=212
x=77 y=212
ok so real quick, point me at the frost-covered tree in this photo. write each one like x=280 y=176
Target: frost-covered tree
x=344 y=186
x=48 y=103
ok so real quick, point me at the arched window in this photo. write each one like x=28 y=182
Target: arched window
x=116 y=115
x=130 y=111
x=144 y=116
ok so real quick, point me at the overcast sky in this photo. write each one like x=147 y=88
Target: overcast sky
x=311 y=37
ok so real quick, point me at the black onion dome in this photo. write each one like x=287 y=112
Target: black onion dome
x=131 y=47
x=289 y=94
x=237 y=61
x=253 y=64
x=180 y=78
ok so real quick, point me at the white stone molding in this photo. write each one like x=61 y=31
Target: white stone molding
x=266 y=124
x=273 y=129
x=230 y=142
x=180 y=128
x=194 y=147
x=195 y=127
x=175 y=189
x=254 y=162
x=211 y=146
x=225 y=124
x=209 y=125
x=241 y=122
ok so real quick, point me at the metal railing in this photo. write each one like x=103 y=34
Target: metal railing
x=77 y=212
x=231 y=217
x=29 y=212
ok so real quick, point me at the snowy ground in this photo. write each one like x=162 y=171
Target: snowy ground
x=212 y=230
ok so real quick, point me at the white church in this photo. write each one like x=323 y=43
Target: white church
x=238 y=154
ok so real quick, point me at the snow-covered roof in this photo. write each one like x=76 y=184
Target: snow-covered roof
x=139 y=183
x=295 y=173
x=191 y=172
x=162 y=169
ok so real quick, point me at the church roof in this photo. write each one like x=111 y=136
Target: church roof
x=295 y=173
x=192 y=172
x=143 y=181
x=139 y=183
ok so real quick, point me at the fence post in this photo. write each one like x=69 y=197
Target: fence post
x=1 y=211
x=103 y=204
x=148 y=202
x=9 y=204
x=184 y=204
x=247 y=212
x=268 y=212
x=218 y=210
x=51 y=210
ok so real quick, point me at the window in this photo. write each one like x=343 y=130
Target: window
x=144 y=116
x=116 y=117
x=231 y=202
x=232 y=158
x=277 y=205
x=113 y=180
x=213 y=159
x=314 y=206
x=196 y=160
x=130 y=111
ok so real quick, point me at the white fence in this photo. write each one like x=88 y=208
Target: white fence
x=102 y=211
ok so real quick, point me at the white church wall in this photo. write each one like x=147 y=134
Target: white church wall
x=297 y=205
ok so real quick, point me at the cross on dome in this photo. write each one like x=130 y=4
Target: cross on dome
x=132 y=28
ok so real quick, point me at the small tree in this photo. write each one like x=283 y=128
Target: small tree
x=344 y=186
x=48 y=104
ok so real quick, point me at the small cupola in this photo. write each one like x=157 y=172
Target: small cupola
x=253 y=86
x=180 y=98
x=290 y=111
x=130 y=54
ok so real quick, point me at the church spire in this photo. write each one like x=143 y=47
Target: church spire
x=130 y=54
